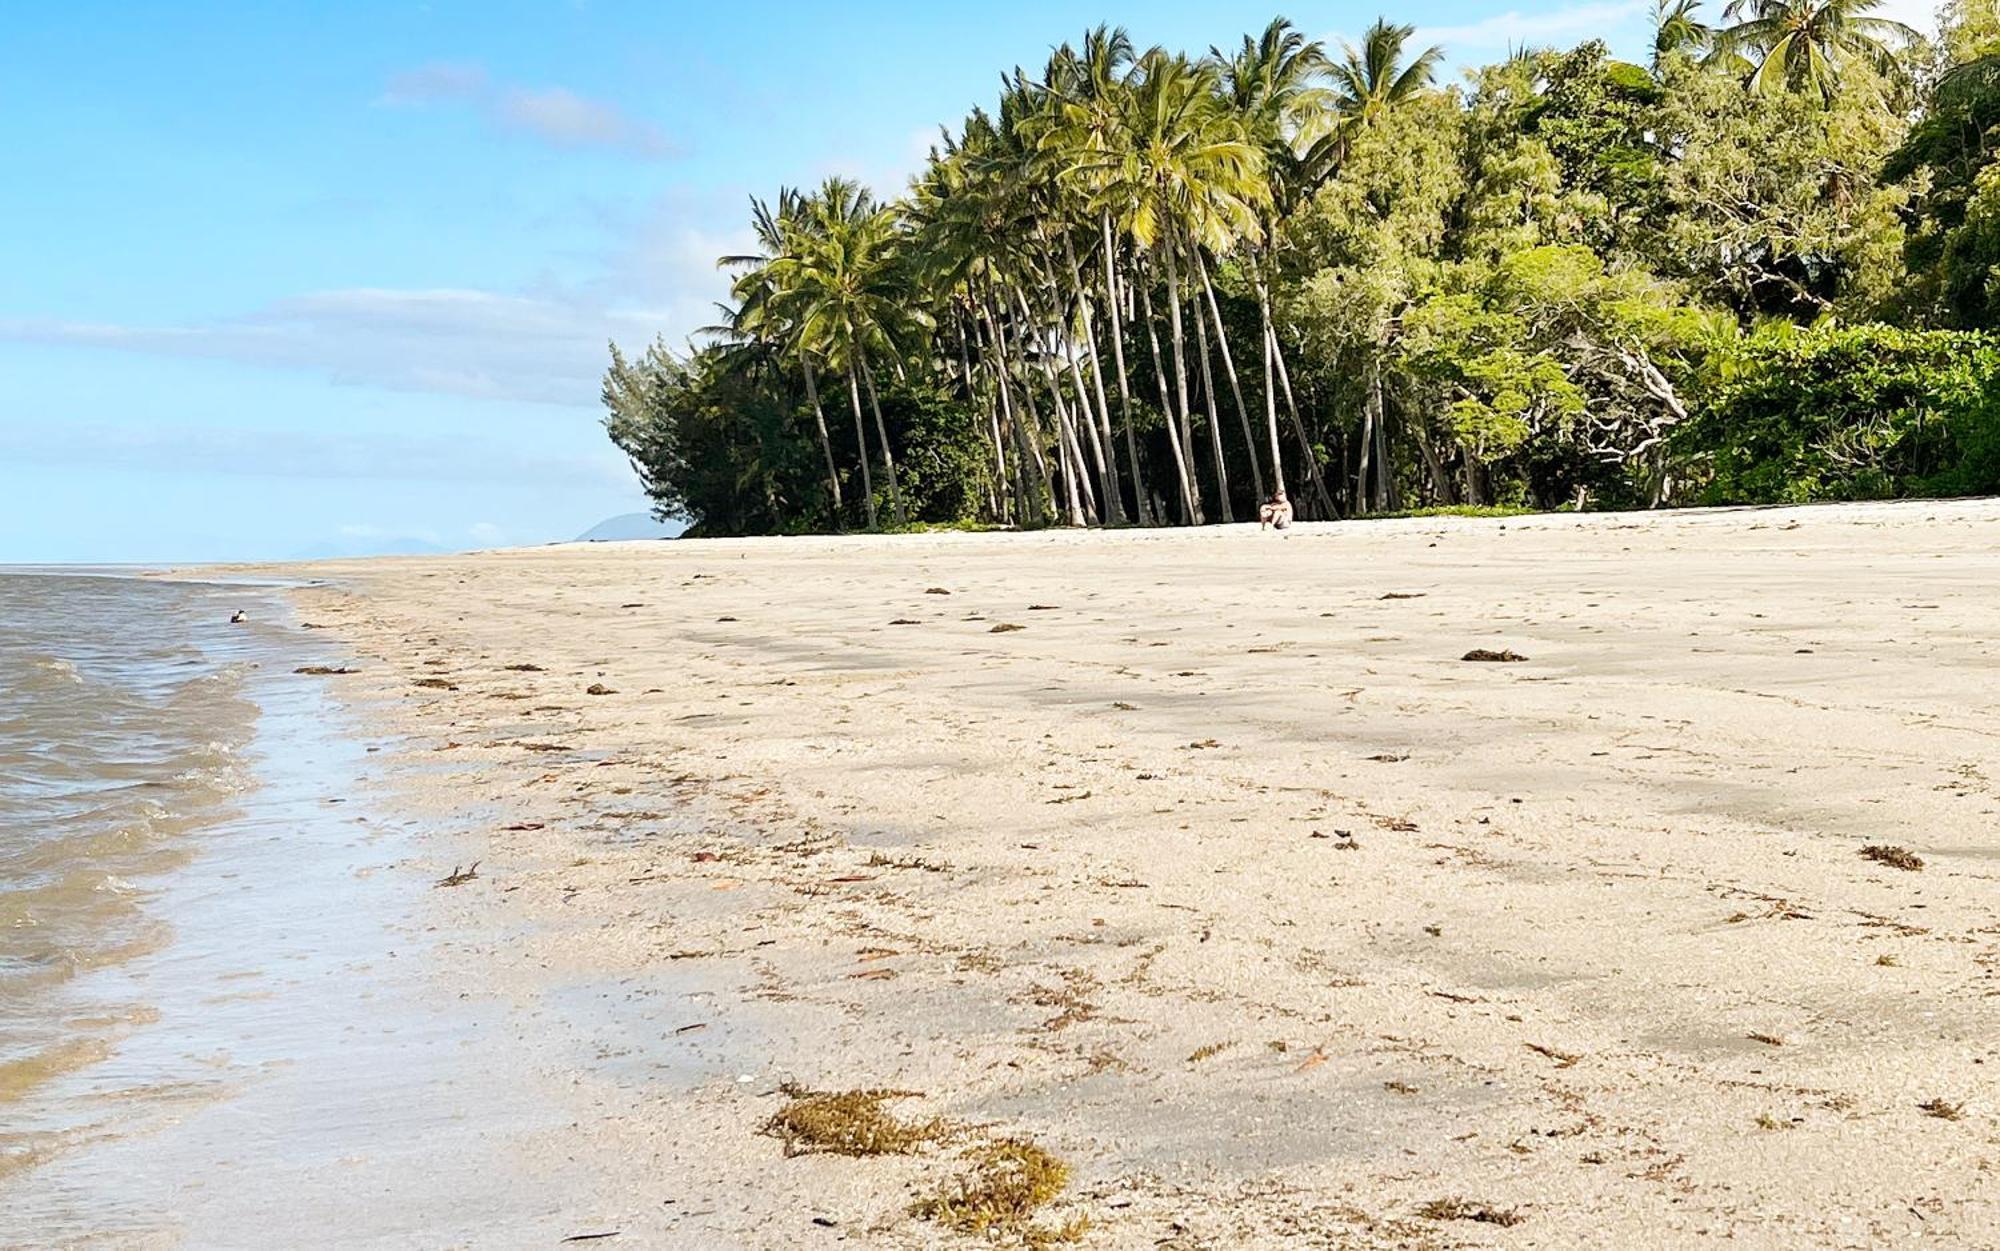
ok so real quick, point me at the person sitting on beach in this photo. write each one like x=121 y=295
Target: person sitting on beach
x=1276 y=512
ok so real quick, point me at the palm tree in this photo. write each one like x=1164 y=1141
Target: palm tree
x=839 y=279
x=1676 y=30
x=1800 y=45
x=1373 y=78
x=1190 y=178
x=1274 y=82
x=1087 y=137
x=756 y=329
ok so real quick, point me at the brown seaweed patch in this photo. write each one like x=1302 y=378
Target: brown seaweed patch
x=1895 y=857
x=1010 y=1180
x=848 y=1122
x=1454 y=1209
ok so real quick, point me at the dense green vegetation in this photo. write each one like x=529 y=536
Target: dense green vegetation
x=1155 y=288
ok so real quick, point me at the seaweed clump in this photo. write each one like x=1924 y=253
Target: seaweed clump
x=1895 y=857
x=1010 y=1180
x=848 y=1122
x=1466 y=1210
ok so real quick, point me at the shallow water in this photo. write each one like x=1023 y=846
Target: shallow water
x=222 y=1022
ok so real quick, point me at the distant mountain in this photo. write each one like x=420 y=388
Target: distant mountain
x=631 y=526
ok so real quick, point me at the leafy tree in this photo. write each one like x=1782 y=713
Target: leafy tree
x=1856 y=412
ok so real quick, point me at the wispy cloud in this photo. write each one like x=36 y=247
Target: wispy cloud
x=555 y=116
x=1515 y=28
x=308 y=454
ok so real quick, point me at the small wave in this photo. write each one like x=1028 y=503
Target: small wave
x=54 y=671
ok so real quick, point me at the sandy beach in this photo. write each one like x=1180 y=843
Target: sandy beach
x=1204 y=862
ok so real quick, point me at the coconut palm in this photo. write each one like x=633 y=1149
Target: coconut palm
x=1802 y=45
x=840 y=281
x=1677 y=31
x=1373 y=78
x=756 y=329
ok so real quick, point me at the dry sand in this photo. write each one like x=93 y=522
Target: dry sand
x=1587 y=938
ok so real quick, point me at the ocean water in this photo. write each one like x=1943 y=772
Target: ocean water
x=226 y=1020
x=123 y=722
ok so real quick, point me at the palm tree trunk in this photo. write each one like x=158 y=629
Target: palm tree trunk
x=1229 y=371
x=1271 y=354
x=1100 y=426
x=861 y=442
x=888 y=459
x=999 y=481
x=1034 y=492
x=825 y=443
x=1145 y=509
x=1188 y=516
x=1299 y=427
x=1076 y=485
x=1223 y=507
x=1179 y=335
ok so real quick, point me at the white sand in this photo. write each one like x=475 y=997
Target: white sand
x=1507 y=932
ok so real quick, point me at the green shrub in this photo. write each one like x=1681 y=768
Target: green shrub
x=1847 y=412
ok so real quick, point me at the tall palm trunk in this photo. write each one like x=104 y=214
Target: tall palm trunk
x=861 y=443
x=1222 y=505
x=1190 y=501
x=1033 y=491
x=1145 y=509
x=1107 y=450
x=888 y=458
x=1229 y=371
x=1076 y=485
x=1276 y=354
x=998 y=485
x=825 y=443
x=1179 y=335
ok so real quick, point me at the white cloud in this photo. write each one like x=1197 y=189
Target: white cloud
x=470 y=343
x=553 y=115
x=1515 y=28
x=309 y=454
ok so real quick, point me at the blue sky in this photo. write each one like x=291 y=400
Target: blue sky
x=287 y=277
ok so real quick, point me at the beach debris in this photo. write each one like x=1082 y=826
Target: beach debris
x=1895 y=857
x=935 y=590
x=849 y=1122
x=1390 y=757
x=631 y=605
x=1010 y=1179
x=1209 y=1051
x=239 y=617
x=1942 y=1109
x=522 y=668
x=906 y=621
x=1313 y=1061
x=1203 y=744
x=1504 y=656
x=1769 y=1040
x=434 y=684
x=1401 y=1088
x=598 y=688
x=1122 y=706
x=1006 y=627
x=525 y=825
x=324 y=671
x=458 y=876
x=609 y=1233
x=721 y=620
x=1455 y=1209
x=1563 y=1059
x=1402 y=595
x=1043 y=607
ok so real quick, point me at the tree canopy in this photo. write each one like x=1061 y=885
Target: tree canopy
x=1154 y=287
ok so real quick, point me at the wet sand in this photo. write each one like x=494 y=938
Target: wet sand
x=286 y=1062
x=1227 y=880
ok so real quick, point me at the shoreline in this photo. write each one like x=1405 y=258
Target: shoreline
x=1224 y=879
x=290 y=1061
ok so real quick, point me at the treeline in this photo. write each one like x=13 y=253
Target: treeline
x=1153 y=288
